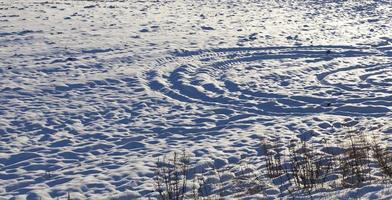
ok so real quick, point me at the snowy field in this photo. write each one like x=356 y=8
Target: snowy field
x=93 y=92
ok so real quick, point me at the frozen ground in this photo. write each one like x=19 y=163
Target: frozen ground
x=92 y=92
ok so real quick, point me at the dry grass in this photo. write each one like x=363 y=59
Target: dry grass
x=302 y=167
x=355 y=161
x=383 y=157
x=308 y=168
x=171 y=177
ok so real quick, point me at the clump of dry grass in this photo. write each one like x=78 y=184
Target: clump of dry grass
x=273 y=160
x=355 y=161
x=171 y=177
x=383 y=157
x=307 y=167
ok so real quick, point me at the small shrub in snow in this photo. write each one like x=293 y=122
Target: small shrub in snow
x=171 y=177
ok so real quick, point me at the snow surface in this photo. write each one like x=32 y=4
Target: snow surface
x=92 y=92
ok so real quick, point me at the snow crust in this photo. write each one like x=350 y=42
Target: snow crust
x=93 y=92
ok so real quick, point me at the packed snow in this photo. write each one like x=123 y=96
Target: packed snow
x=93 y=92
